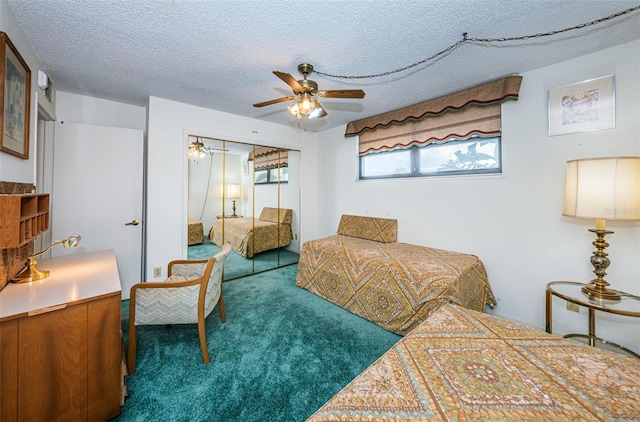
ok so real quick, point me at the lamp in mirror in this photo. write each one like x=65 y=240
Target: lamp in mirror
x=233 y=193
x=602 y=189
x=31 y=273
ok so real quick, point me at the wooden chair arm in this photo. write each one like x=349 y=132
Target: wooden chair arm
x=183 y=262
x=164 y=284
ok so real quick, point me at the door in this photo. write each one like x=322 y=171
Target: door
x=97 y=193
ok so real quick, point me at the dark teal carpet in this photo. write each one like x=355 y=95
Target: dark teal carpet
x=237 y=265
x=282 y=354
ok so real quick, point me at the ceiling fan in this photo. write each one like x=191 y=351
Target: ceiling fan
x=305 y=91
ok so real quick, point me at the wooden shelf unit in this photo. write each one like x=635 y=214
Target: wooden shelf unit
x=22 y=218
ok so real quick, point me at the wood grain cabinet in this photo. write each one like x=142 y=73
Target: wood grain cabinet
x=61 y=362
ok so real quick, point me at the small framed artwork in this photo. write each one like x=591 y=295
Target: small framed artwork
x=582 y=107
x=15 y=93
x=245 y=168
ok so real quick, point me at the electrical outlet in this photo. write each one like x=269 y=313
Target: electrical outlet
x=573 y=307
x=157 y=272
x=295 y=236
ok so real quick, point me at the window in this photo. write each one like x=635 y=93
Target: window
x=472 y=156
x=270 y=165
x=459 y=133
x=271 y=176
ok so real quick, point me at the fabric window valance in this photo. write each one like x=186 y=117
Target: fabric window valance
x=269 y=158
x=460 y=116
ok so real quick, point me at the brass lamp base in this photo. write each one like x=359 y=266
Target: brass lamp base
x=234 y=208
x=600 y=292
x=598 y=288
x=30 y=273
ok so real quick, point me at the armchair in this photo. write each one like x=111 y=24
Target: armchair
x=188 y=295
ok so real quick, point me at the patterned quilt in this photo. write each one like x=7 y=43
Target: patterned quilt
x=463 y=365
x=249 y=236
x=196 y=232
x=394 y=285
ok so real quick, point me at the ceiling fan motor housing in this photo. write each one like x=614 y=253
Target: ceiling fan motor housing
x=305 y=69
x=309 y=86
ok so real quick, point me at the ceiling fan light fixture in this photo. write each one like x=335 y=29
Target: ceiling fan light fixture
x=305 y=92
x=317 y=112
x=198 y=150
x=307 y=105
x=307 y=102
x=295 y=109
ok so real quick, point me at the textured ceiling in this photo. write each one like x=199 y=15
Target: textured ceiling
x=221 y=54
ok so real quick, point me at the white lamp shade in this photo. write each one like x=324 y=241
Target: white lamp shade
x=233 y=191
x=603 y=189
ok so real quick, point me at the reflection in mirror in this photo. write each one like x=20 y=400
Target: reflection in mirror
x=247 y=195
x=273 y=168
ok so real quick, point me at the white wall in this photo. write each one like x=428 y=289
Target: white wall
x=205 y=180
x=169 y=123
x=513 y=222
x=74 y=108
x=12 y=168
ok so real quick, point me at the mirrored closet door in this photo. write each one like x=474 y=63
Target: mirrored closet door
x=247 y=195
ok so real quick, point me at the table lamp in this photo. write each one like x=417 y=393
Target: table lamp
x=233 y=193
x=602 y=189
x=31 y=273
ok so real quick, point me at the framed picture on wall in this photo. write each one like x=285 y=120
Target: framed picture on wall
x=582 y=107
x=15 y=90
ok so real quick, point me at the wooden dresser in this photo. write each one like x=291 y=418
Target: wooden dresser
x=60 y=342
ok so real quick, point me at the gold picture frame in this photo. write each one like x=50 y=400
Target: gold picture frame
x=582 y=107
x=15 y=96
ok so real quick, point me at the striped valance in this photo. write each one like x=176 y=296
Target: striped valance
x=460 y=116
x=269 y=158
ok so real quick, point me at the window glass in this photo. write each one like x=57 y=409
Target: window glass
x=284 y=175
x=261 y=176
x=271 y=175
x=386 y=164
x=473 y=156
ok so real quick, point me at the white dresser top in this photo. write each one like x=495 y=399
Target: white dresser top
x=73 y=278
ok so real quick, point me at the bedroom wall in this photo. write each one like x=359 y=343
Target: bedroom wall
x=512 y=221
x=15 y=169
x=204 y=182
x=76 y=108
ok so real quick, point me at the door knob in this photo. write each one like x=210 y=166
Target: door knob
x=132 y=223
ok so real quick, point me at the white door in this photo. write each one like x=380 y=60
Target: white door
x=97 y=193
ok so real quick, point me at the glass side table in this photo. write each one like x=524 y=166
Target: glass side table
x=571 y=291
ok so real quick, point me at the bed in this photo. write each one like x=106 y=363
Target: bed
x=196 y=232
x=249 y=236
x=464 y=365
x=394 y=285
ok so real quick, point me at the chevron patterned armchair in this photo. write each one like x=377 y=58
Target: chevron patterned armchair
x=188 y=295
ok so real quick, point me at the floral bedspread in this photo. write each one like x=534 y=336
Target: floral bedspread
x=463 y=365
x=394 y=285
